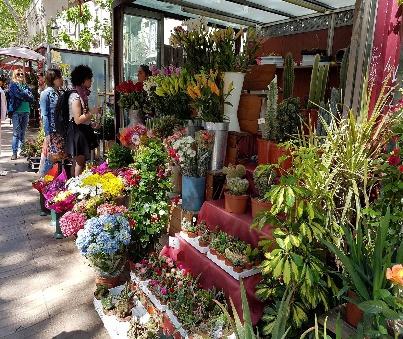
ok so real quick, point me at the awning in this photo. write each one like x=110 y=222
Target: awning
x=21 y=53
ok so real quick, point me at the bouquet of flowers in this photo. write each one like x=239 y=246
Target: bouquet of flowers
x=131 y=177
x=207 y=93
x=132 y=95
x=43 y=182
x=72 y=222
x=103 y=241
x=55 y=186
x=193 y=155
x=61 y=202
x=134 y=136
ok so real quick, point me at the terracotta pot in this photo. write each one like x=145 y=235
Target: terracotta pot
x=213 y=251
x=220 y=256
x=236 y=203
x=353 y=313
x=276 y=153
x=249 y=266
x=191 y=234
x=259 y=206
x=203 y=243
x=310 y=119
x=238 y=269
x=263 y=151
x=109 y=282
x=228 y=262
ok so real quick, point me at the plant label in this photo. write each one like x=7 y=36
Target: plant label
x=261 y=121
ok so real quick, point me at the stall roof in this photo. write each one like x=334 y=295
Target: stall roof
x=247 y=12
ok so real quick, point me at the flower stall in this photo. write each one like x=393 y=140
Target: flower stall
x=301 y=234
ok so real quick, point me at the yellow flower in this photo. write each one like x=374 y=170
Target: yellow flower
x=48 y=178
x=191 y=93
x=197 y=92
x=395 y=275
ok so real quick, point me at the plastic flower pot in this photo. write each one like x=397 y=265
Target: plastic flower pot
x=203 y=243
x=263 y=149
x=353 y=313
x=259 y=205
x=236 y=203
x=193 y=189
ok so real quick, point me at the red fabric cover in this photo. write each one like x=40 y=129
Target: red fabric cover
x=237 y=225
x=213 y=276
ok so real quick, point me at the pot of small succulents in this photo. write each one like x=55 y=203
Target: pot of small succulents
x=205 y=239
x=189 y=228
x=124 y=305
x=238 y=263
x=218 y=244
x=263 y=178
x=201 y=228
x=236 y=199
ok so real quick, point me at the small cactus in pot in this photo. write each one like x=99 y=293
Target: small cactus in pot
x=263 y=178
x=236 y=199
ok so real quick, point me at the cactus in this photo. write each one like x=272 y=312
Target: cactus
x=344 y=70
x=288 y=76
x=318 y=83
x=233 y=171
x=269 y=126
x=107 y=303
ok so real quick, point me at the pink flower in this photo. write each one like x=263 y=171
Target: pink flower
x=180 y=283
x=164 y=291
x=138 y=265
x=108 y=208
x=394 y=160
x=71 y=223
x=143 y=271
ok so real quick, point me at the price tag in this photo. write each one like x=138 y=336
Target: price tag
x=174 y=242
x=261 y=121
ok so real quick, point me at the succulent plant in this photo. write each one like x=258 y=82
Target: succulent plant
x=188 y=225
x=329 y=112
x=101 y=291
x=288 y=121
x=288 y=76
x=107 y=303
x=124 y=304
x=318 y=83
x=237 y=186
x=206 y=237
x=263 y=178
x=234 y=171
x=269 y=125
x=237 y=259
x=149 y=330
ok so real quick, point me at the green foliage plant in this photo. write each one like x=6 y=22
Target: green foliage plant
x=288 y=77
x=287 y=120
x=119 y=156
x=237 y=186
x=149 y=205
x=234 y=171
x=164 y=126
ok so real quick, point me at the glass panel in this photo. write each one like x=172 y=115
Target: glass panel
x=283 y=6
x=96 y=62
x=140 y=44
x=338 y=3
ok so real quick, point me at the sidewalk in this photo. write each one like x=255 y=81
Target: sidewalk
x=46 y=288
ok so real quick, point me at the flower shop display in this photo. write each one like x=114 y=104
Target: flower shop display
x=193 y=156
x=190 y=228
x=104 y=242
x=236 y=199
x=263 y=177
x=133 y=98
x=134 y=135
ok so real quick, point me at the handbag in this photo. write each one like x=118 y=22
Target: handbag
x=56 y=148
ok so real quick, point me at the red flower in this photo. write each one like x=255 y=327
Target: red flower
x=132 y=223
x=394 y=160
x=400 y=168
x=129 y=87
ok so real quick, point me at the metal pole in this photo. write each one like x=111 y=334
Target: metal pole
x=103 y=112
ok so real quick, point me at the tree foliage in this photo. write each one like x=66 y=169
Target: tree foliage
x=13 y=28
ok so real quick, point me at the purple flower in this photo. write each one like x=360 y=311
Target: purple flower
x=101 y=169
x=164 y=291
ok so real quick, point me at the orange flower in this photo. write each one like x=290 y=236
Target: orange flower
x=214 y=88
x=395 y=274
x=196 y=90
x=191 y=93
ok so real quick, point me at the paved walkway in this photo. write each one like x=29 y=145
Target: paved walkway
x=45 y=286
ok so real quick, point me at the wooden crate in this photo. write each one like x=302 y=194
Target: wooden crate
x=214 y=185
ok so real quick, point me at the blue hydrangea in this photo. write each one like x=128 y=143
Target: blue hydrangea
x=106 y=234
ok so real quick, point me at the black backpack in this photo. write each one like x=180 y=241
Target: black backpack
x=62 y=114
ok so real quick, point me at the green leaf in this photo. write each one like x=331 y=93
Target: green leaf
x=372 y=306
x=290 y=197
x=279 y=269
x=287 y=272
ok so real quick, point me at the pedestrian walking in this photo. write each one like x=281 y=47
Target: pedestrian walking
x=3 y=104
x=19 y=99
x=53 y=144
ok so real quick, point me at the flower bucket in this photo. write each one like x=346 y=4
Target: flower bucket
x=56 y=219
x=44 y=210
x=231 y=111
x=263 y=149
x=236 y=203
x=220 y=130
x=259 y=206
x=192 y=127
x=193 y=189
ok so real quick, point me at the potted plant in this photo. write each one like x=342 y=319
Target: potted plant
x=208 y=99
x=236 y=199
x=193 y=156
x=218 y=244
x=263 y=178
x=124 y=305
x=105 y=247
x=317 y=91
x=205 y=239
x=268 y=123
x=189 y=228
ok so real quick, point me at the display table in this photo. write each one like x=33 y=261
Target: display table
x=237 y=225
x=212 y=276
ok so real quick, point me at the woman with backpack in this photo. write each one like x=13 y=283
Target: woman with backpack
x=19 y=99
x=81 y=138
x=53 y=143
